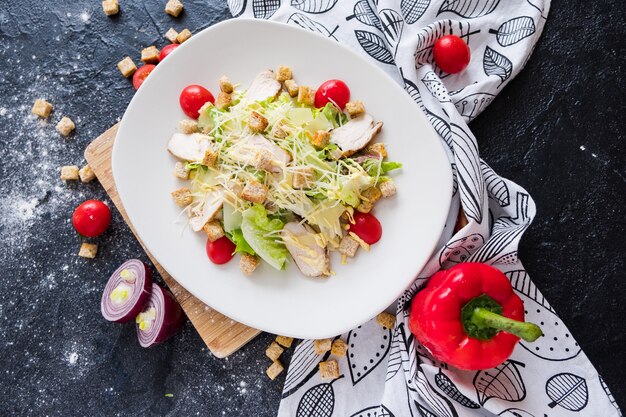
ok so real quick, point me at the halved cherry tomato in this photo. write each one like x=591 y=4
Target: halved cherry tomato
x=167 y=50
x=193 y=97
x=91 y=218
x=367 y=227
x=451 y=54
x=332 y=90
x=220 y=251
x=141 y=74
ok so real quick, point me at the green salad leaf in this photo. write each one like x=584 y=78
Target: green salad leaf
x=261 y=234
x=371 y=166
x=241 y=246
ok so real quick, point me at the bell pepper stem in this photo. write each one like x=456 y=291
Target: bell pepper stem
x=526 y=331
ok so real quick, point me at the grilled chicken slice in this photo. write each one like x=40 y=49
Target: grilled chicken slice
x=207 y=210
x=263 y=86
x=254 y=150
x=300 y=241
x=191 y=147
x=356 y=134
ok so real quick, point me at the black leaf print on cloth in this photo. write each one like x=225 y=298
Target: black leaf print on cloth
x=303 y=366
x=515 y=412
x=236 y=7
x=411 y=88
x=440 y=405
x=436 y=87
x=455 y=181
x=442 y=128
x=445 y=384
x=537 y=4
x=496 y=187
x=394 y=362
x=609 y=394
x=427 y=37
x=392 y=26
x=506 y=259
x=514 y=30
x=364 y=13
x=424 y=412
x=374 y=411
x=460 y=250
x=318 y=401
x=568 y=391
x=314 y=6
x=470 y=106
x=494 y=63
x=368 y=345
x=307 y=23
x=412 y=10
x=264 y=9
x=504 y=382
x=471 y=182
x=469 y=8
x=374 y=45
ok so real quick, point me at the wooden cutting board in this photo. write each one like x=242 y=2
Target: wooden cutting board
x=222 y=335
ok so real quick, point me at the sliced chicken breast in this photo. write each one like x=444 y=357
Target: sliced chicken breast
x=356 y=134
x=191 y=147
x=263 y=86
x=207 y=210
x=251 y=149
x=300 y=241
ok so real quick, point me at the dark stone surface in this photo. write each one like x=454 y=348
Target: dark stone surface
x=59 y=358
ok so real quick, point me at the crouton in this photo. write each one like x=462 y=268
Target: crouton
x=302 y=177
x=321 y=346
x=210 y=158
x=284 y=341
x=171 y=35
x=329 y=369
x=364 y=207
x=188 y=126
x=371 y=195
x=183 y=35
x=274 y=350
x=387 y=188
x=263 y=159
x=182 y=196
x=292 y=87
x=320 y=139
x=257 y=122
x=306 y=95
x=283 y=74
x=339 y=348
x=223 y=100
x=361 y=242
x=69 y=173
x=354 y=108
x=181 y=171
x=377 y=149
x=213 y=230
x=173 y=7
x=248 y=263
x=65 y=126
x=348 y=246
x=88 y=250
x=127 y=67
x=274 y=370
x=110 y=7
x=225 y=85
x=42 y=108
x=150 y=55
x=387 y=320
x=254 y=192
x=86 y=174
x=278 y=131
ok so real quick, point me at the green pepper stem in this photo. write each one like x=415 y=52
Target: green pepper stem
x=485 y=318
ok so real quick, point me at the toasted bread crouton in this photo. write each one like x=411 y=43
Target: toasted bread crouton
x=86 y=174
x=257 y=122
x=306 y=95
x=364 y=207
x=248 y=263
x=263 y=159
x=387 y=320
x=110 y=7
x=225 y=85
x=273 y=351
x=387 y=188
x=173 y=7
x=213 y=230
x=183 y=35
x=361 y=242
x=127 y=67
x=69 y=173
x=188 y=126
x=150 y=55
x=278 y=130
x=182 y=196
x=371 y=195
x=348 y=246
x=254 y=192
x=321 y=346
x=302 y=177
x=88 y=250
x=329 y=369
x=339 y=348
x=377 y=149
x=181 y=171
x=283 y=73
x=210 y=158
x=42 y=108
x=354 y=108
x=320 y=139
x=274 y=370
x=223 y=100
x=292 y=87
x=284 y=341
x=65 y=126
x=171 y=35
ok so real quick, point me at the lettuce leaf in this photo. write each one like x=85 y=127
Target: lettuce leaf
x=241 y=246
x=261 y=234
x=371 y=166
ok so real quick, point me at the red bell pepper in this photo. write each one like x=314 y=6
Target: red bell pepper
x=469 y=317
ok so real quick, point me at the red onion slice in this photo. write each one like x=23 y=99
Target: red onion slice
x=160 y=319
x=127 y=291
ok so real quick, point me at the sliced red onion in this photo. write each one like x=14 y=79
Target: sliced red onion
x=127 y=291
x=160 y=319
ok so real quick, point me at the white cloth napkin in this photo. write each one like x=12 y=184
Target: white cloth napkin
x=387 y=373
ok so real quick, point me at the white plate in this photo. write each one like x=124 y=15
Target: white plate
x=283 y=302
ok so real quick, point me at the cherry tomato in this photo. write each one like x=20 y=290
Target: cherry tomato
x=332 y=90
x=367 y=227
x=91 y=218
x=193 y=97
x=141 y=74
x=167 y=50
x=451 y=53
x=220 y=251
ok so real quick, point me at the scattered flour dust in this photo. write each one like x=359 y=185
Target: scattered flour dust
x=85 y=16
x=72 y=358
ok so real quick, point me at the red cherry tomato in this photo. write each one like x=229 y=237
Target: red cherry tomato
x=193 y=97
x=167 y=50
x=141 y=74
x=367 y=227
x=220 y=251
x=451 y=53
x=332 y=90
x=91 y=218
